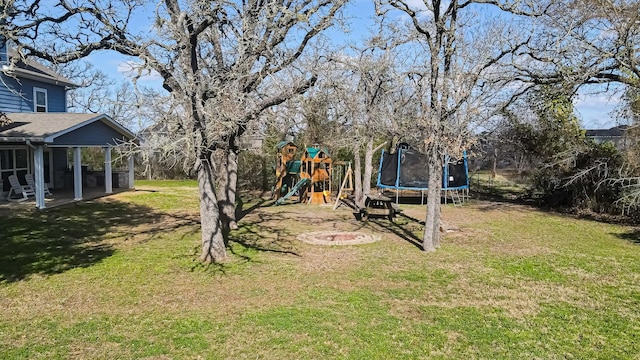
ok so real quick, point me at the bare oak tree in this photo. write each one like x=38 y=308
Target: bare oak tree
x=593 y=46
x=368 y=81
x=587 y=42
x=98 y=93
x=218 y=61
x=460 y=76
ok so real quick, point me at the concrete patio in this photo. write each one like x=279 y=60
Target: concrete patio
x=58 y=198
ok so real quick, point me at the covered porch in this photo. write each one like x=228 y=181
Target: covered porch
x=57 y=198
x=49 y=146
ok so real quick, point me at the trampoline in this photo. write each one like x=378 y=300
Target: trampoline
x=406 y=170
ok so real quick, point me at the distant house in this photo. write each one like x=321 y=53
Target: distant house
x=37 y=134
x=615 y=135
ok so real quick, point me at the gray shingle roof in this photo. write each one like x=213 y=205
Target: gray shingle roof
x=39 y=126
x=616 y=131
x=33 y=70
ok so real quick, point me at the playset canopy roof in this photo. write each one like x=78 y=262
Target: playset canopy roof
x=293 y=167
x=314 y=152
x=282 y=144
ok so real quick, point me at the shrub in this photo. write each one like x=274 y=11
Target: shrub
x=582 y=179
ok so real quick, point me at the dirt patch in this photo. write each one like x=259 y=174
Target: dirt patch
x=337 y=238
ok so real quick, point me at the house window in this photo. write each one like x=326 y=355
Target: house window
x=13 y=162
x=40 y=100
x=4 y=59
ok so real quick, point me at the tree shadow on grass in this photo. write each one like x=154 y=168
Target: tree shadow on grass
x=501 y=194
x=241 y=212
x=403 y=231
x=265 y=231
x=56 y=240
x=632 y=236
x=262 y=233
x=251 y=235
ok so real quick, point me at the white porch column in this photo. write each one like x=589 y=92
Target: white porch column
x=50 y=170
x=38 y=160
x=131 y=167
x=108 y=184
x=77 y=174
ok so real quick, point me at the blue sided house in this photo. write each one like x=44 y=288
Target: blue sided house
x=39 y=139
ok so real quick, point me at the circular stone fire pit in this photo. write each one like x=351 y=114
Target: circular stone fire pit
x=337 y=238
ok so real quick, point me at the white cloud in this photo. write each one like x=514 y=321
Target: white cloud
x=596 y=110
x=600 y=99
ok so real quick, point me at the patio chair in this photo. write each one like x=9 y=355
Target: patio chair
x=32 y=184
x=19 y=189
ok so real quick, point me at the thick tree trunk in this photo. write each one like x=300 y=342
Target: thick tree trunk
x=213 y=246
x=357 y=176
x=431 y=236
x=228 y=183
x=368 y=167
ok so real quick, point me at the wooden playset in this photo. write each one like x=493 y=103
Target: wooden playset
x=317 y=166
x=308 y=179
x=287 y=168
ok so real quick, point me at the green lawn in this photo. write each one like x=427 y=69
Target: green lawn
x=118 y=278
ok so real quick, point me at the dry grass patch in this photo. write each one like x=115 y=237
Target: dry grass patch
x=510 y=282
x=322 y=261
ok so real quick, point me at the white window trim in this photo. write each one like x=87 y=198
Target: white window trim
x=46 y=99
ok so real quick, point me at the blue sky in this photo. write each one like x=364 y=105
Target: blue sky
x=593 y=109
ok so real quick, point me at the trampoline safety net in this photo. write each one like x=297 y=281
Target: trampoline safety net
x=407 y=169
